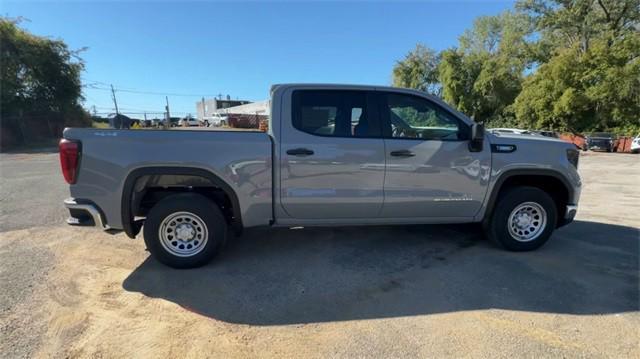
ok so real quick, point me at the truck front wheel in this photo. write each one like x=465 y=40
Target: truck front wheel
x=185 y=230
x=523 y=219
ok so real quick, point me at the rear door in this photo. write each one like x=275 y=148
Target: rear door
x=430 y=171
x=332 y=156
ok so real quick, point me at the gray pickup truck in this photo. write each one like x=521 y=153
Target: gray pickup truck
x=333 y=155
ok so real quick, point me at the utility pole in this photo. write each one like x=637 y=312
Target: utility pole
x=204 y=112
x=115 y=103
x=167 y=123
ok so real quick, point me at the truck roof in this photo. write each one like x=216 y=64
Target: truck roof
x=336 y=86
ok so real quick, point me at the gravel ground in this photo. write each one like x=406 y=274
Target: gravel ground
x=31 y=186
x=408 y=291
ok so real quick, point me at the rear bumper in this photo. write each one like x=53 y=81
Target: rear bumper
x=84 y=213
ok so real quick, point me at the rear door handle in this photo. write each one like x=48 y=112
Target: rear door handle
x=300 y=152
x=402 y=153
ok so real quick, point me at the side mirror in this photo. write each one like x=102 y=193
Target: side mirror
x=477 y=137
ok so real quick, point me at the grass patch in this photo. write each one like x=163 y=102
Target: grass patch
x=95 y=124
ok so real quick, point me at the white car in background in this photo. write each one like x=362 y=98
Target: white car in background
x=217 y=120
x=635 y=145
x=511 y=130
x=189 y=122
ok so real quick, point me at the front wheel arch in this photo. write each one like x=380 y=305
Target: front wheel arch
x=550 y=181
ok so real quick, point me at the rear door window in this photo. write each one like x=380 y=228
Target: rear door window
x=333 y=113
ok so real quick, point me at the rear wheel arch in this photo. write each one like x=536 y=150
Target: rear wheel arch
x=191 y=179
x=550 y=181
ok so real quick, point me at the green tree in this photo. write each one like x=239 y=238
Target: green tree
x=590 y=77
x=577 y=91
x=483 y=76
x=575 y=23
x=418 y=70
x=40 y=78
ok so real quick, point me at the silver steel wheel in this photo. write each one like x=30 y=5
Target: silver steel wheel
x=183 y=234
x=527 y=221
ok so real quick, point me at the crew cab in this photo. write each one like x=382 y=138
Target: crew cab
x=333 y=155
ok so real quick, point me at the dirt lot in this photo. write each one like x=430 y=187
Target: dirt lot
x=429 y=291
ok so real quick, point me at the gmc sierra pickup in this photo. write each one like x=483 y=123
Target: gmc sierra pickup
x=333 y=155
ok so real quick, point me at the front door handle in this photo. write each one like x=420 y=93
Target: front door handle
x=402 y=153
x=300 y=152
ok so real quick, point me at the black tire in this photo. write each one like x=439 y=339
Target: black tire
x=497 y=228
x=208 y=219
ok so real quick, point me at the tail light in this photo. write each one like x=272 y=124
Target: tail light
x=69 y=159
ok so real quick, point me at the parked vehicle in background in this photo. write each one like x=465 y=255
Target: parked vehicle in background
x=510 y=130
x=635 y=144
x=601 y=141
x=189 y=122
x=156 y=122
x=218 y=120
x=336 y=155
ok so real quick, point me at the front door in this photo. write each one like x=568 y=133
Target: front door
x=332 y=156
x=430 y=171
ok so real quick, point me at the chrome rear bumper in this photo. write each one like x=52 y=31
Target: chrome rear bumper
x=80 y=212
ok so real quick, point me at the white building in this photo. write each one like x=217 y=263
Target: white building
x=207 y=108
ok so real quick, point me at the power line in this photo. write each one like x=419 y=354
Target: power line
x=95 y=86
x=142 y=113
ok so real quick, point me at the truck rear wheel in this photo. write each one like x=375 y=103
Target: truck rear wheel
x=185 y=230
x=523 y=219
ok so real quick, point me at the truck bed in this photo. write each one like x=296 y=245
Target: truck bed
x=242 y=159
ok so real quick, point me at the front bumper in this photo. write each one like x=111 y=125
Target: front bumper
x=84 y=214
x=600 y=145
x=569 y=215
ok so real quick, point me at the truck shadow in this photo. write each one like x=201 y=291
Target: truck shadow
x=274 y=277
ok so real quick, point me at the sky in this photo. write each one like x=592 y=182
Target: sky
x=189 y=50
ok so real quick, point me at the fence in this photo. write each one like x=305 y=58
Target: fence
x=623 y=142
x=29 y=130
x=246 y=120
